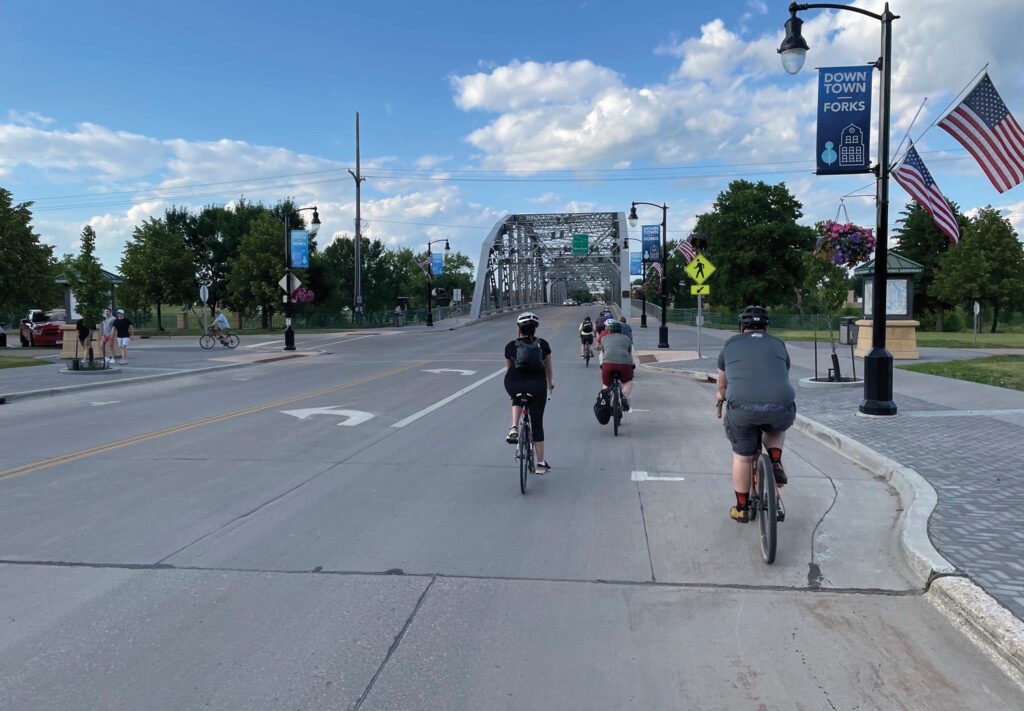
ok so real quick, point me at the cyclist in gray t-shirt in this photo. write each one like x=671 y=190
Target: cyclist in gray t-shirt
x=753 y=380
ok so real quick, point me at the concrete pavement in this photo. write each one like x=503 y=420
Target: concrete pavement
x=959 y=531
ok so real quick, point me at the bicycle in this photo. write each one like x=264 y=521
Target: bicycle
x=616 y=393
x=588 y=353
x=526 y=453
x=209 y=340
x=763 y=501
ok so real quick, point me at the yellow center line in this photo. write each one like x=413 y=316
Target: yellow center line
x=100 y=449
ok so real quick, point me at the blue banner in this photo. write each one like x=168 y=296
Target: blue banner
x=634 y=264
x=650 y=242
x=844 y=120
x=437 y=264
x=299 y=249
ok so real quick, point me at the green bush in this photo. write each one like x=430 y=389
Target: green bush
x=952 y=322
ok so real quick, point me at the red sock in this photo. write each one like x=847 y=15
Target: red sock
x=775 y=453
x=741 y=500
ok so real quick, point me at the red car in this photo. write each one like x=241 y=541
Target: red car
x=42 y=328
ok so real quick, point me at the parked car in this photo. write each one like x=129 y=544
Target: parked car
x=42 y=328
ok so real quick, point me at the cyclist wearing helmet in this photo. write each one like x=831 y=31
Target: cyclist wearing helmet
x=616 y=357
x=529 y=372
x=753 y=381
x=586 y=335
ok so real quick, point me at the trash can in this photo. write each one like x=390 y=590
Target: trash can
x=848 y=330
x=399 y=318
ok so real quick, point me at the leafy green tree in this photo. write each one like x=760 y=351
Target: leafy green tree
x=26 y=264
x=86 y=280
x=921 y=240
x=253 y=274
x=986 y=266
x=756 y=245
x=157 y=265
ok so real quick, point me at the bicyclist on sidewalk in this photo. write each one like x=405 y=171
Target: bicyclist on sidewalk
x=616 y=357
x=753 y=381
x=528 y=360
x=586 y=335
x=220 y=326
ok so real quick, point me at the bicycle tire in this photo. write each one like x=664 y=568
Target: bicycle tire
x=206 y=341
x=523 y=453
x=587 y=356
x=616 y=408
x=769 y=505
x=232 y=341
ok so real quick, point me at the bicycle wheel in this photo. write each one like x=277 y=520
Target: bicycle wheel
x=587 y=355
x=769 y=505
x=232 y=341
x=207 y=341
x=523 y=453
x=616 y=407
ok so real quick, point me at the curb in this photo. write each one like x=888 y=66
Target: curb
x=993 y=629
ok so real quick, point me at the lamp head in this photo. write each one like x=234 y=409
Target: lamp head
x=633 y=219
x=794 y=47
x=447 y=247
x=314 y=226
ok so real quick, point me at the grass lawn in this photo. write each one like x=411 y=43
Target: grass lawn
x=18 y=362
x=926 y=339
x=1005 y=371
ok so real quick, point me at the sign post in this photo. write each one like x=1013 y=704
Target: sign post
x=699 y=269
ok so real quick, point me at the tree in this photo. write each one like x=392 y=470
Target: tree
x=921 y=240
x=756 y=245
x=86 y=280
x=254 y=273
x=26 y=264
x=986 y=266
x=157 y=265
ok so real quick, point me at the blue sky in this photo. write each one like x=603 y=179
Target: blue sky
x=113 y=111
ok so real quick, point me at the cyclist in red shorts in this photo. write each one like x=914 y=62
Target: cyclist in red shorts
x=616 y=357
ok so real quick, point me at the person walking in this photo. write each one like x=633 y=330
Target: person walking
x=123 y=333
x=107 y=337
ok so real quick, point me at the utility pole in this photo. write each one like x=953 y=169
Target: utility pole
x=357 y=306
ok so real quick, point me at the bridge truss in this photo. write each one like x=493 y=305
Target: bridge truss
x=528 y=260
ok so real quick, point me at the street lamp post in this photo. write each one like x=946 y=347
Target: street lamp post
x=643 y=278
x=314 y=227
x=878 y=362
x=633 y=219
x=430 y=310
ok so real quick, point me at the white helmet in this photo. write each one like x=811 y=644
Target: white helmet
x=528 y=318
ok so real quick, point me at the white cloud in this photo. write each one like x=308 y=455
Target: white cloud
x=520 y=85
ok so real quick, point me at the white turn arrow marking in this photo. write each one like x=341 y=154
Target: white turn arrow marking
x=642 y=476
x=451 y=370
x=354 y=417
x=107 y=402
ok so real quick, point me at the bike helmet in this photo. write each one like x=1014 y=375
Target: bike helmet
x=528 y=318
x=754 y=317
x=613 y=326
x=586 y=318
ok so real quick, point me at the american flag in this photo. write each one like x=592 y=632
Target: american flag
x=686 y=249
x=986 y=128
x=425 y=266
x=916 y=180
x=656 y=266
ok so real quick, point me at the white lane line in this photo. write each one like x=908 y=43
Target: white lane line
x=642 y=476
x=427 y=410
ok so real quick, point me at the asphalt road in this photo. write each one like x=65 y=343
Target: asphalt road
x=344 y=529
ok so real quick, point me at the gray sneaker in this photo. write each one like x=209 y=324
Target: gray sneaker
x=541 y=468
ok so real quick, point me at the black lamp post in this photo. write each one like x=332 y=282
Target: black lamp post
x=878 y=362
x=430 y=310
x=643 y=277
x=633 y=220
x=314 y=227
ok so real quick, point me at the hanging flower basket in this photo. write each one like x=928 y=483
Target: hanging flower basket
x=303 y=295
x=844 y=243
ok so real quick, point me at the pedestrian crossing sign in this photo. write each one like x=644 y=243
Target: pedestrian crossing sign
x=700 y=269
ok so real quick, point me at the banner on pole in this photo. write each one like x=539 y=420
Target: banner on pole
x=299 y=248
x=650 y=242
x=844 y=120
x=635 y=266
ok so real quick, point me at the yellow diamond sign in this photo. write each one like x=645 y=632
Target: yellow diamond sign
x=700 y=269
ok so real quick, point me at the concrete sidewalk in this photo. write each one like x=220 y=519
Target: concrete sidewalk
x=961 y=530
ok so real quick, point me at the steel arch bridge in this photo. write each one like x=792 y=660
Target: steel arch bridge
x=528 y=260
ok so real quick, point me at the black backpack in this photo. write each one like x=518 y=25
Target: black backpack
x=529 y=356
x=588 y=327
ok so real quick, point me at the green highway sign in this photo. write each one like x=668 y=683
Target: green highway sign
x=581 y=244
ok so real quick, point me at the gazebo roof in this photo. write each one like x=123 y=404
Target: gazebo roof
x=896 y=263
x=114 y=279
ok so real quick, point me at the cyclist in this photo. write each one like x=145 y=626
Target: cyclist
x=220 y=327
x=586 y=335
x=753 y=381
x=529 y=372
x=616 y=357
x=599 y=323
x=626 y=328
